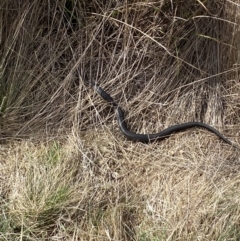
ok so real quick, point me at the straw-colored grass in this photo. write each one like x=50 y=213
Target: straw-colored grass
x=66 y=171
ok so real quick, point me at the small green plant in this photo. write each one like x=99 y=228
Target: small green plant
x=3 y=102
x=53 y=155
x=58 y=197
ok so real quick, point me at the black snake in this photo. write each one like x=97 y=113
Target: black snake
x=156 y=136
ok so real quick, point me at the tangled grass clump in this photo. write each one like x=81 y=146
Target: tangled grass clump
x=66 y=171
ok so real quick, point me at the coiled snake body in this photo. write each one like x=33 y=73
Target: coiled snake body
x=156 y=136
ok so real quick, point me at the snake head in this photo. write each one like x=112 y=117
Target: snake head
x=104 y=95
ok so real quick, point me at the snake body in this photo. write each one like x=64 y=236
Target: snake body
x=145 y=138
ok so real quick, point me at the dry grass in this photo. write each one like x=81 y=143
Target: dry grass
x=66 y=171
